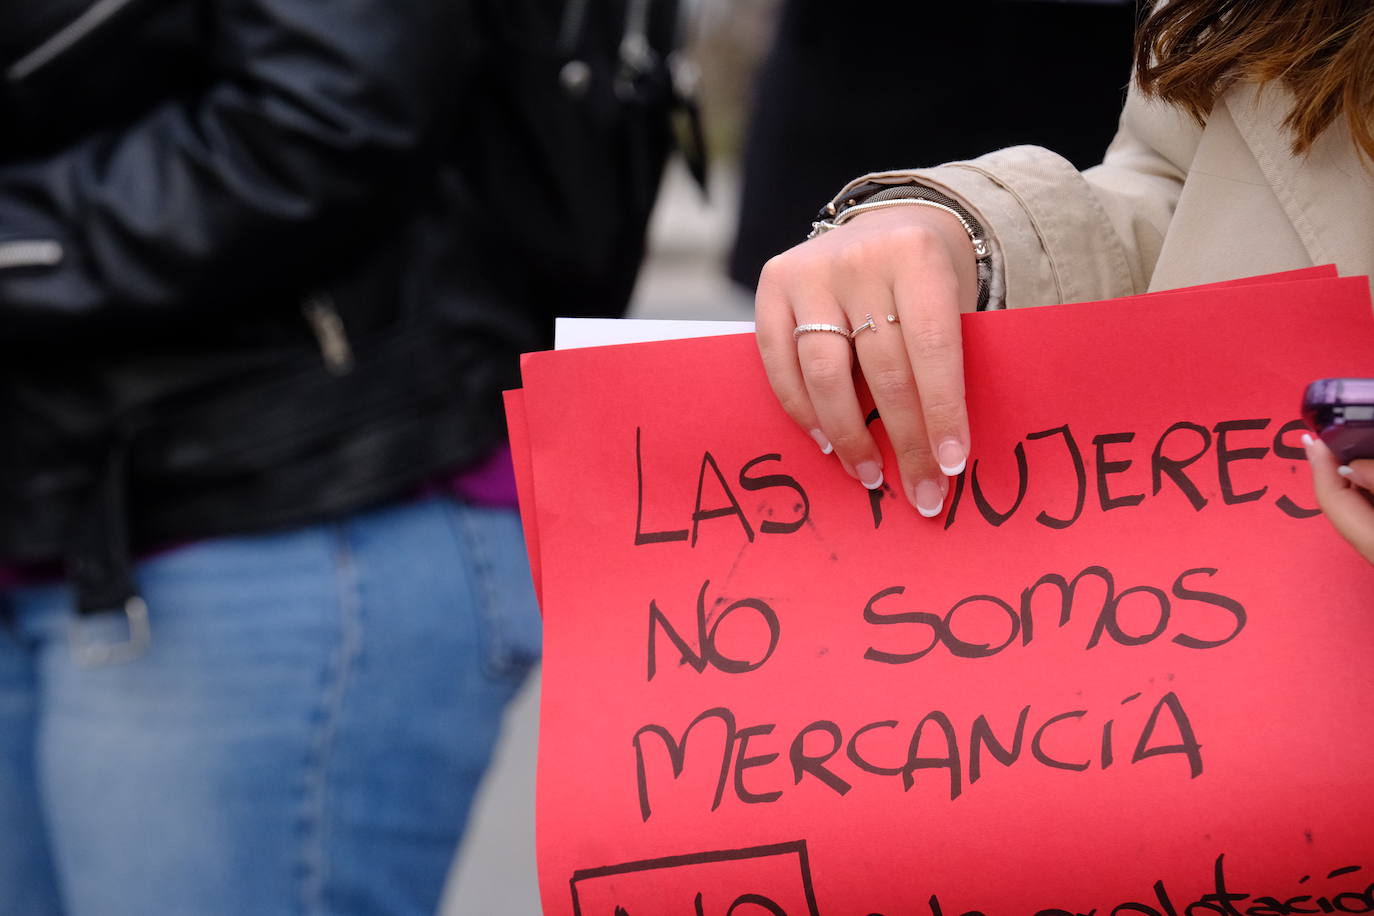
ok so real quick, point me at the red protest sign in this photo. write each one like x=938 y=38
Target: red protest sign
x=1127 y=672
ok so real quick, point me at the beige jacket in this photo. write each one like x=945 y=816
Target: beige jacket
x=1173 y=204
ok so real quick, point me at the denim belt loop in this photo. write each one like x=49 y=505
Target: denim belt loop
x=92 y=652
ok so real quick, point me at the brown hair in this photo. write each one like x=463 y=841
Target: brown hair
x=1189 y=51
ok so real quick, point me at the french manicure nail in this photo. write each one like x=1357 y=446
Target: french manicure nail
x=824 y=443
x=1346 y=471
x=1306 y=439
x=952 y=457
x=929 y=498
x=870 y=475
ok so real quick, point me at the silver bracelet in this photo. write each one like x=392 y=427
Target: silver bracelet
x=832 y=217
x=980 y=244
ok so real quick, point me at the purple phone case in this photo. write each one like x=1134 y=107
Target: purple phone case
x=1341 y=411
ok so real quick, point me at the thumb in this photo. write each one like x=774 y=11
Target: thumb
x=1347 y=507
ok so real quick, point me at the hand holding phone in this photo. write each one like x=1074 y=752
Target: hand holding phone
x=1341 y=412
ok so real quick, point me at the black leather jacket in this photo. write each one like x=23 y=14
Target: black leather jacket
x=263 y=262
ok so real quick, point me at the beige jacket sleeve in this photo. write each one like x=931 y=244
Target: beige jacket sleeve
x=1060 y=235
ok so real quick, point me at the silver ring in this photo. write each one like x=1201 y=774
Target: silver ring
x=868 y=325
x=801 y=329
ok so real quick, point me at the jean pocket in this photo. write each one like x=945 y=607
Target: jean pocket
x=507 y=613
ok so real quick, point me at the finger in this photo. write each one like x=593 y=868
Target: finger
x=827 y=369
x=881 y=351
x=774 y=321
x=928 y=307
x=1362 y=473
x=1348 y=508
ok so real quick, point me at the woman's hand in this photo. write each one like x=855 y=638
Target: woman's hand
x=1343 y=494
x=911 y=263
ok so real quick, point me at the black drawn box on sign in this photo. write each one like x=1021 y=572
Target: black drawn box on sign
x=759 y=881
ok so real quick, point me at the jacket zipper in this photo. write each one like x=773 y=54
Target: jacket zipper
x=64 y=39
x=30 y=253
x=575 y=75
x=637 y=55
x=330 y=333
x=571 y=26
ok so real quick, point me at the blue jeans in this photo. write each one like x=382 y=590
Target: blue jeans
x=302 y=736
